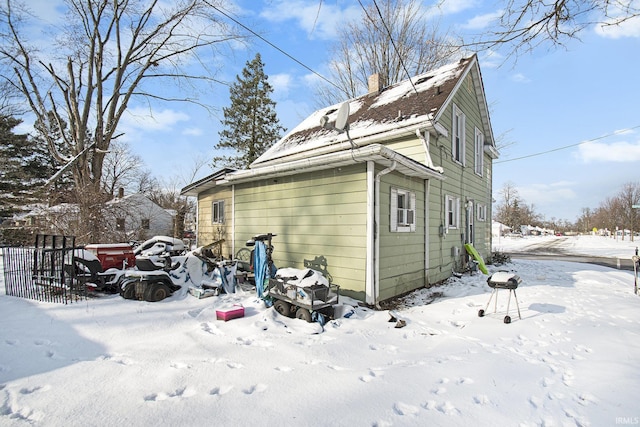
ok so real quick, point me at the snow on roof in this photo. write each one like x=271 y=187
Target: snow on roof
x=416 y=100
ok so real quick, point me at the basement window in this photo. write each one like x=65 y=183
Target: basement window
x=402 y=211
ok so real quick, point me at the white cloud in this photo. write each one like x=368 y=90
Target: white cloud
x=450 y=7
x=481 y=22
x=318 y=19
x=491 y=59
x=192 y=131
x=520 y=78
x=145 y=120
x=541 y=195
x=628 y=28
x=621 y=151
x=281 y=84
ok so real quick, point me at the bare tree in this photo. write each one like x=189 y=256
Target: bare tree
x=121 y=169
x=394 y=39
x=109 y=54
x=628 y=197
x=526 y=24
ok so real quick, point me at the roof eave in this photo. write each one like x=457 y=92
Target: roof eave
x=373 y=152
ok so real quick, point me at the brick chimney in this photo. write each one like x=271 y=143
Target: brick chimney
x=375 y=84
x=120 y=193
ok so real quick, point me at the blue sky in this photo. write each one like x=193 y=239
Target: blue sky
x=585 y=96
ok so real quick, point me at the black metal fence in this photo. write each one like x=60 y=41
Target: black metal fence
x=44 y=272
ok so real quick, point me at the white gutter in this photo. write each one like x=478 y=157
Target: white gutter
x=360 y=138
x=376 y=258
x=375 y=152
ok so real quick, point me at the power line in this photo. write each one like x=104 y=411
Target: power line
x=275 y=47
x=386 y=27
x=567 y=146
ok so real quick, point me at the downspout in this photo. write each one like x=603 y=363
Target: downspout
x=376 y=257
x=197 y=219
x=233 y=221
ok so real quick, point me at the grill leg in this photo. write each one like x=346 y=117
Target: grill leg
x=489 y=302
x=517 y=303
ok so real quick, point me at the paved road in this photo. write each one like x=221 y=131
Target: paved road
x=554 y=250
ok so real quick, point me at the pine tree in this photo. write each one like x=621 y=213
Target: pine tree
x=251 y=124
x=20 y=171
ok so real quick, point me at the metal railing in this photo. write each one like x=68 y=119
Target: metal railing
x=45 y=272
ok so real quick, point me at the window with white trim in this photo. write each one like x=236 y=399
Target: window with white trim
x=217 y=212
x=458 y=135
x=479 y=152
x=402 y=211
x=482 y=212
x=452 y=209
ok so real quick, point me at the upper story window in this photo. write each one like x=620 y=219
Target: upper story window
x=403 y=210
x=120 y=224
x=217 y=212
x=479 y=152
x=145 y=223
x=458 y=135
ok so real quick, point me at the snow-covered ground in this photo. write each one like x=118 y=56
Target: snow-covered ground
x=577 y=245
x=573 y=358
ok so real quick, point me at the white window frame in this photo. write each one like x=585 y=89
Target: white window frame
x=481 y=214
x=217 y=212
x=479 y=154
x=452 y=212
x=402 y=218
x=458 y=141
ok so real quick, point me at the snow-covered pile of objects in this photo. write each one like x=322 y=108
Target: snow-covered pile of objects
x=571 y=360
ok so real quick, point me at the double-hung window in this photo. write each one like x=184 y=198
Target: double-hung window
x=217 y=212
x=458 y=135
x=452 y=206
x=479 y=154
x=482 y=212
x=402 y=210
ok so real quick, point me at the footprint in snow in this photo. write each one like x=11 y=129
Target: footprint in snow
x=284 y=369
x=372 y=375
x=219 y=391
x=29 y=390
x=180 y=365
x=234 y=365
x=481 y=399
x=405 y=409
x=211 y=328
x=257 y=388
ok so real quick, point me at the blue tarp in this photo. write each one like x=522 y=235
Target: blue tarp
x=260 y=266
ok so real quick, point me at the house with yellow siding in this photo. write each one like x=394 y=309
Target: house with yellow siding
x=388 y=198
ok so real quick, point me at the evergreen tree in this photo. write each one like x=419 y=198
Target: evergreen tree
x=251 y=124
x=20 y=171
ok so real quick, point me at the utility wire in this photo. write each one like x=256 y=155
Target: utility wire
x=395 y=48
x=275 y=47
x=567 y=146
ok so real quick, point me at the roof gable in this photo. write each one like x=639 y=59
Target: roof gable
x=409 y=103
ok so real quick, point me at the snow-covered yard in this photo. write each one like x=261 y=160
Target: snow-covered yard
x=573 y=359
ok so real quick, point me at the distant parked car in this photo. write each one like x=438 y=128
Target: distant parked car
x=559 y=234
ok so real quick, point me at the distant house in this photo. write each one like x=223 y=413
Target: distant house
x=389 y=204
x=135 y=216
